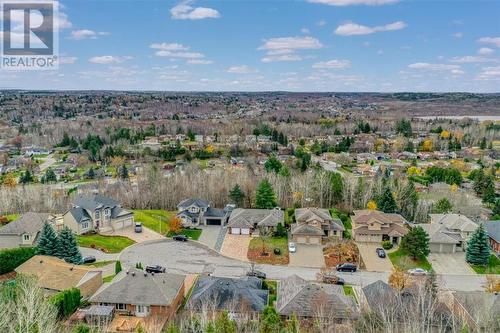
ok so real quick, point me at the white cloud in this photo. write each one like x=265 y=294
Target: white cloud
x=67 y=60
x=199 y=62
x=243 y=69
x=458 y=35
x=86 y=34
x=183 y=11
x=185 y=55
x=332 y=64
x=490 y=40
x=485 y=51
x=169 y=46
x=489 y=73
x=305 y=31
x=321 y=23
x=424 y=66
x=351 y=29
x=284 y=48
x=353 y=2
x=108 y=59
x=472 y=59
x=284 y=57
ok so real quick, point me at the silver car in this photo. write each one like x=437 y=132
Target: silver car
x=138 y=227
x=292 y=248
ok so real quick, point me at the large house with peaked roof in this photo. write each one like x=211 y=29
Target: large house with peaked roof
x=306 y=300
x=248 y=221
x=23 y=231
x=373 y=226
x=195 y=212
x=96 y=212
x=449 y=233
x=312 y=224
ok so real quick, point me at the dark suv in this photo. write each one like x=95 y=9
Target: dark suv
x=181 y=238
x=380 y=252
x=346 y=267
x=155 y=269
x=258 y=274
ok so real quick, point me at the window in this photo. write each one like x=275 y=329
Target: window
x=107 y=212
x=97 y=215
x=85 y=225
x=26 y=237
x=142 y=309
x=120 y=306
x=335 y=232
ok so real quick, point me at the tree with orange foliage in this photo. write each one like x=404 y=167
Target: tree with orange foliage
x=372 y=205
x=10 y=180
x=427 y=145
x=492 y=284
x=398 y=279
x=175 y=225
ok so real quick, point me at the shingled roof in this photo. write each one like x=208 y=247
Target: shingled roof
x=247 y=218
x=93 y=201
x=29 y=223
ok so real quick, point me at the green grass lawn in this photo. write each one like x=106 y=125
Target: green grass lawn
x=108 y=278
x=401 y=259
x=272 y=286
x=255 y=250
x=349 y=292
x=109 y=244
x=99 y=264
x=191 y=233
x=157 y=220
x=493 y=266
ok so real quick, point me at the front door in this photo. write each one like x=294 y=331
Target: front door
x=141 y=310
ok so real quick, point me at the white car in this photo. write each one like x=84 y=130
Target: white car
x=292 y=248
x=417 y=271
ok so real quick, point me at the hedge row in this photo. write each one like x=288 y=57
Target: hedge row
x=11 y=258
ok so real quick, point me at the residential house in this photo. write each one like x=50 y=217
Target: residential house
x=480 y=310
x=456 y=226
x=96 y=212
x=195 y=212
x=313 y=224
x=373 y=226
x=248 y=221
x=238 y=296
x=493 y=230
x=24 y=231
x=55 y=275
x=441 y=240
x=141 y=294
x=308 y=300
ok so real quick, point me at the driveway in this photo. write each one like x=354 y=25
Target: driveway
x=236 y=246
x=450 y=263
x=209 y=235
x=372 y=262
x=307 y=255
x=138 y=237
x=99 y=255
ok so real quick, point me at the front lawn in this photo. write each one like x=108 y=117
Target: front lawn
x=493 y=266
x=255 y=251
x=108 y=278
x=157 y=220
x=402 y=260
x=99 y=264
x=191 y=233
x=108 y=244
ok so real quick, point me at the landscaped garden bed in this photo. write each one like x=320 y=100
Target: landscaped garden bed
x=267 y=255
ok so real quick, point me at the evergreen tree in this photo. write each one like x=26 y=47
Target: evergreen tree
x=489 y=195
x=478 y=248
x=386 y=202
x=68 y=247
x=26 y=178
x=48 y=242
x=118 y=267
x=482 y=145
x=284 y=171
x=50 y=176
x=91 y=173
x=416 y=243
x=123 y=172
x=443 y=206
x=224 y=324
x=272 y=164
x=264 y=197
x=270 y=321
x=237 y=196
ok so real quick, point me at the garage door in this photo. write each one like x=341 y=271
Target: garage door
x=301 y=240
x=235 y=231
x=214 y=222
x=313 y=240
x=245 y=231
x=128 y=222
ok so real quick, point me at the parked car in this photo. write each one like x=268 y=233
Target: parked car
x=292 y=248
x=155 y=269
x=88 y=259
x=333 y=279
x=258 y=274
x=346 y=267
x=138 y=227
x=417 y=271
x=380 y=252
x=181 y=238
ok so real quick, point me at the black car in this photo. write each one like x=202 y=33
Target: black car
x=346 y=267
x=258 y=274
x=155 y=269
x=88 y=260
x=380 y=252
x=181 y=238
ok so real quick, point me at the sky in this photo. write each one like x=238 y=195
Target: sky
x=302 y=45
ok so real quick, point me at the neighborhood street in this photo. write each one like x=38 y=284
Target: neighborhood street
x=191 y=257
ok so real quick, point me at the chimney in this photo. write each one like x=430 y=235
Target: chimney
x=133 y=273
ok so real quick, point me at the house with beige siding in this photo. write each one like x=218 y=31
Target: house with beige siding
x=55 y=275
x=373 y=226
x=24 y=231
x=312 y=224
x=98 y=213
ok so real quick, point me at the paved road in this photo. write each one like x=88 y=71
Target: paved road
x=194 y=258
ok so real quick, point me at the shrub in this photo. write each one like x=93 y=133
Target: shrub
x=387 y=245
x=277 y=251
x=67 y=301
x=11 y=258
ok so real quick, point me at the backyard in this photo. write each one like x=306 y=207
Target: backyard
x=255 y=251
x=108 y=244
x=401 y=259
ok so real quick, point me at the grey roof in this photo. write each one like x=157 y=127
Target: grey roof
x=94 y=201
x=481 y=306
x=231 y=294
x=439 y=234
x=454 y=221
x=140 y=288
x=79 y=214
x=376 y=291
x=193 y=201
x=306 y=229
x=306 y=215
x=493 y=229
x=30 y=223
x=100 y=310
x=313 y=300
x=188 y=214
x=214 y=212
x=247 y=218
